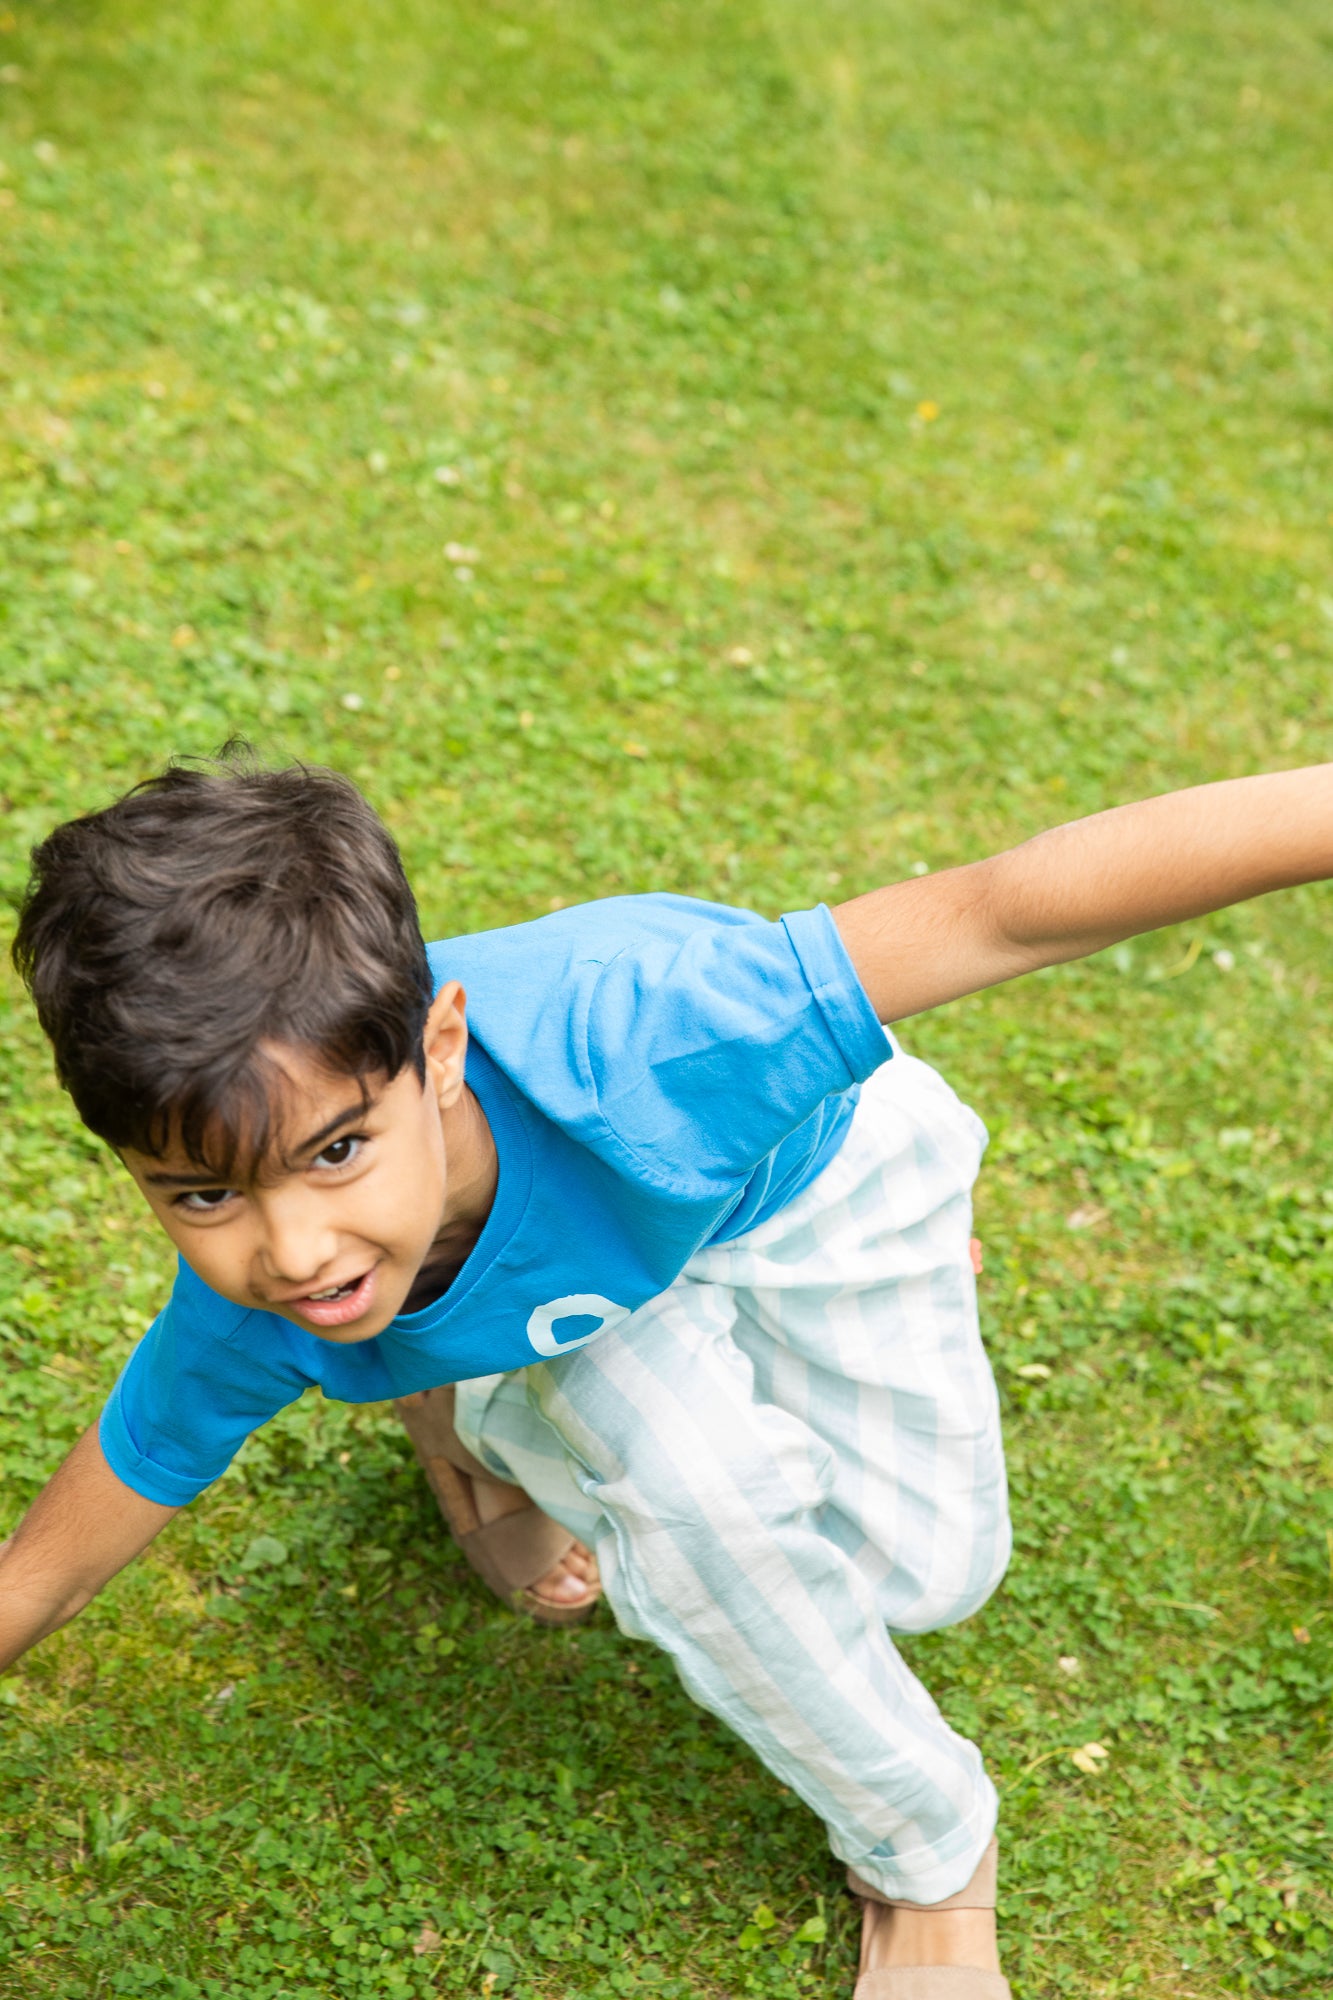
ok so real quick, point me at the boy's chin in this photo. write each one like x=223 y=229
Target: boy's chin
x=346 y=1336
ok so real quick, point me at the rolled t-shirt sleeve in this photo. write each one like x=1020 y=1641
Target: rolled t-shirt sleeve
x=191 y=1393
x=854 y=1028
x=710 y=1043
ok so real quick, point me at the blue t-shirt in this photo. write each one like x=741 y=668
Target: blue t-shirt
x=658 y=1074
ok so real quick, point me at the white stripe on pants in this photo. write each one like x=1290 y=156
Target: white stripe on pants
x=793 y=1449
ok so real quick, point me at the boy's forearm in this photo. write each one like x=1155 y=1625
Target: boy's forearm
x=1086 y=885
x=1163 y=860
x=84 y=1525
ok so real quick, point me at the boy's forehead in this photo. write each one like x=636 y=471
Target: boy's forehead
x=303 y=1102
x=303 y=1083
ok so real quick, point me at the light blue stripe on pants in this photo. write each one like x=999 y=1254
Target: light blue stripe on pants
x=793 y=1449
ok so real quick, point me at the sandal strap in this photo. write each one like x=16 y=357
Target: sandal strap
x=509 y=1553
x=520 y=1548
x=932 y=1982
x=978 y=1894
x=428 y=1418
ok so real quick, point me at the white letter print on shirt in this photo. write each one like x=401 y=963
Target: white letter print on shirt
x=582 y=1305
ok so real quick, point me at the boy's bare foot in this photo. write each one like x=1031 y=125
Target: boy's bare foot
x=574 y=1579
x=928 y=1937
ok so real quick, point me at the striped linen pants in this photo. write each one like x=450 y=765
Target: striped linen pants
x=790 y=1453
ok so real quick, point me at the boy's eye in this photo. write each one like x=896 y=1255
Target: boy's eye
x=340 y=1152
x=205 y=1201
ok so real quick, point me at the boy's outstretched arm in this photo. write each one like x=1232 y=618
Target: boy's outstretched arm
x=1082 y=886
x=84 y=1525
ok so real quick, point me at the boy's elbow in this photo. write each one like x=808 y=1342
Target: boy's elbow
x=998 y=934
x=1024 y=920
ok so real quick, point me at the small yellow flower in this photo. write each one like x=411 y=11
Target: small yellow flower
x=927 y=412
x=1090 y=1757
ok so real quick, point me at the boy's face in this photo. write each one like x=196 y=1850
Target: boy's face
x=331 y=1234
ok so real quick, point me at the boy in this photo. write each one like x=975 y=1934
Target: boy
x=709 y=1301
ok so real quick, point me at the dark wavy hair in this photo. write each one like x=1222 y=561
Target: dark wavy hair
x=212 y=910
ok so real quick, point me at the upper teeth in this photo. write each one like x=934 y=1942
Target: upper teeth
x=331 y=1293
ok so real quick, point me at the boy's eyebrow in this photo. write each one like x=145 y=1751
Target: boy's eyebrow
x=308 y=1145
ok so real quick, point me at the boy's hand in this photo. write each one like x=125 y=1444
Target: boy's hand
x=1086 y=885
x=84 y=1525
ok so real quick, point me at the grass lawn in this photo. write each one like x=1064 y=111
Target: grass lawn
x=755 y=450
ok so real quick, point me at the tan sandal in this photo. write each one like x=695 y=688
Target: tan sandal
x=509 y=1554
x=928 y=1982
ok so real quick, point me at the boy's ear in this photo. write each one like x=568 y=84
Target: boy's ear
x=445 y=1040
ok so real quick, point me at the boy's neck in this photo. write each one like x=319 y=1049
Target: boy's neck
x=473 y=1164
x=473 y=1176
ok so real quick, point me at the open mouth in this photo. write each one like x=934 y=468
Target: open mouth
x=338 y=1305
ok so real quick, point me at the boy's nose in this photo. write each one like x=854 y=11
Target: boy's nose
x=298 y=1247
